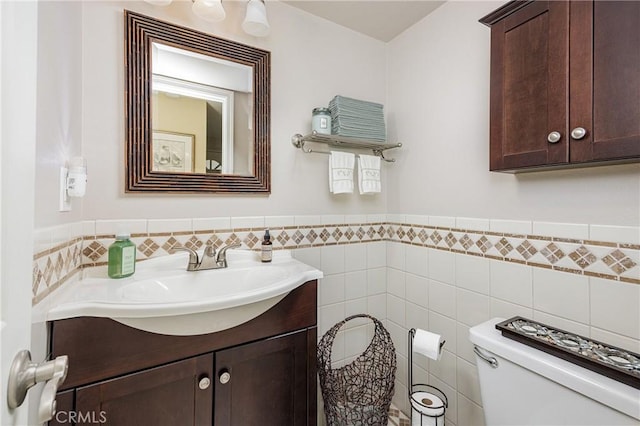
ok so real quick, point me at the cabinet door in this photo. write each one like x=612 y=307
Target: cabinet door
x=529 y=86
x=168 y=395
x=605 y=79
x=267 y=383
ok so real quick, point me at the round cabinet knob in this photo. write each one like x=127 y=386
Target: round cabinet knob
x=225 y=377
x=578 y=133
x=554 y=137
x=204 y=383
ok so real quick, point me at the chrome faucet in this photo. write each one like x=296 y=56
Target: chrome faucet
x=210 y=259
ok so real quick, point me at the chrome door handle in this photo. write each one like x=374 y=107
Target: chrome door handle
x=488 y=358
x=554 y=137
x=24 y=374
x=578 y=133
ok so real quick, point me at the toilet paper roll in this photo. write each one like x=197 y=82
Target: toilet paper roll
x=427 y=343
x=427 y=409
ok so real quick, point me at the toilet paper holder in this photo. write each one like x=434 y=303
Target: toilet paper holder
x=428 y=403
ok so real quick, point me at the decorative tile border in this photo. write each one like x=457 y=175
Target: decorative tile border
x=609 y=260
x=614 y=261
x=54 y=267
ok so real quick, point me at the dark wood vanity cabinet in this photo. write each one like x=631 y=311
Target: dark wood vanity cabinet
x=565 y=84
x=260 y=372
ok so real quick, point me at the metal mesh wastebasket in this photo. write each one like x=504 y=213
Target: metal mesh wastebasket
x=360 y=392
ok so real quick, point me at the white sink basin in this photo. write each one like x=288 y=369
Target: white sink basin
x=162 y=297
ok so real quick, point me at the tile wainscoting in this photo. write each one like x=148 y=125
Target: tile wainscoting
x=441 y=274
x=613 y=260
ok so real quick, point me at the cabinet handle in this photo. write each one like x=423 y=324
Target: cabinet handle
x=578 y=133
x=224 y=377
x=204 y=383
x=554 y=137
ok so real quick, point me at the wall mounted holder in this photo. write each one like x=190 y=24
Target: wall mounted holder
x=73 y=182
x=378 y=148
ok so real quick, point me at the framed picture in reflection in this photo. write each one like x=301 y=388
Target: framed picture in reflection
x=172 y=152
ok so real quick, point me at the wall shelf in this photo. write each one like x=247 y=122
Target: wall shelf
x=378 y=148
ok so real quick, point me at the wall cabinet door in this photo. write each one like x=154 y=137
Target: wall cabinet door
x=168 y=395
x=565 y=83
x=264 y=383
x=605 y=80
x=529 y=86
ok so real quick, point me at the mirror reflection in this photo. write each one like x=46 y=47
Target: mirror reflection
x=197 y=111
x=202 y=113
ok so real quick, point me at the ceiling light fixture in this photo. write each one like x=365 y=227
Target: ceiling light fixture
x=209 y=10
x=255 y=21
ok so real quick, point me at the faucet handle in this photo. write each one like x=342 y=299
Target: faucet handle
x=193 y=255
x=222 y=253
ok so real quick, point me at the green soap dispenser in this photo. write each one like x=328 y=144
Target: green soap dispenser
x=122 y=257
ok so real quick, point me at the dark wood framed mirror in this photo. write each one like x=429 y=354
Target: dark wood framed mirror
x=163 y=157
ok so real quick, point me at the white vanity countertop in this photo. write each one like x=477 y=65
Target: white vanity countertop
x=161 y=287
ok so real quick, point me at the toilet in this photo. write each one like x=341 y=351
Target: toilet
x=521 y=385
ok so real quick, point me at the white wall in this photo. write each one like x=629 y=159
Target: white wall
x=312 y=60
x=59 y=105
x=438 y=98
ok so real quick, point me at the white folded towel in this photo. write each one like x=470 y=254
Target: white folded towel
x=369 y=174
x=341 y=172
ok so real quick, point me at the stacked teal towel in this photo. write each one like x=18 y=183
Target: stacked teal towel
x=357 y=119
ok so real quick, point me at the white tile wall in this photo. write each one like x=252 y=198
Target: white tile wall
x=244 y=222
x=442 y=221
x=278 y=221
x=468 y=384
x=472 y=308
x=396 y=255
x=576 y=231
x=622 y=234
x=355 y=285
x=332 y=259
x=166 y=225
x=442 y=266
x=620 y=298
x=461 y=291
x=355 y=257
x=512 y=282
x=472 y=273
x=521 y=227
x=409 y=286
x=331 y=289
x=112 y=227
x=416 y=261
x=204 y=223
x=376 y=255
x=446 y=327
x=416 y=290
x=557 y=292
x=396 y=283
x=473 y=224
x=442 y=298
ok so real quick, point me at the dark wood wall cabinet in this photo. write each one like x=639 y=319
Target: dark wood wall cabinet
x=565 y=84
x=262 y=372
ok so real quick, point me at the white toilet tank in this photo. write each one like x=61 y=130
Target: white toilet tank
x=531 y=387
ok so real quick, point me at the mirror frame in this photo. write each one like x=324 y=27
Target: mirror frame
x=140 y=32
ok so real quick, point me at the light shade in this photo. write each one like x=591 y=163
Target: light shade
x=158 y=2
x=255 y=23
x=209 y=10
